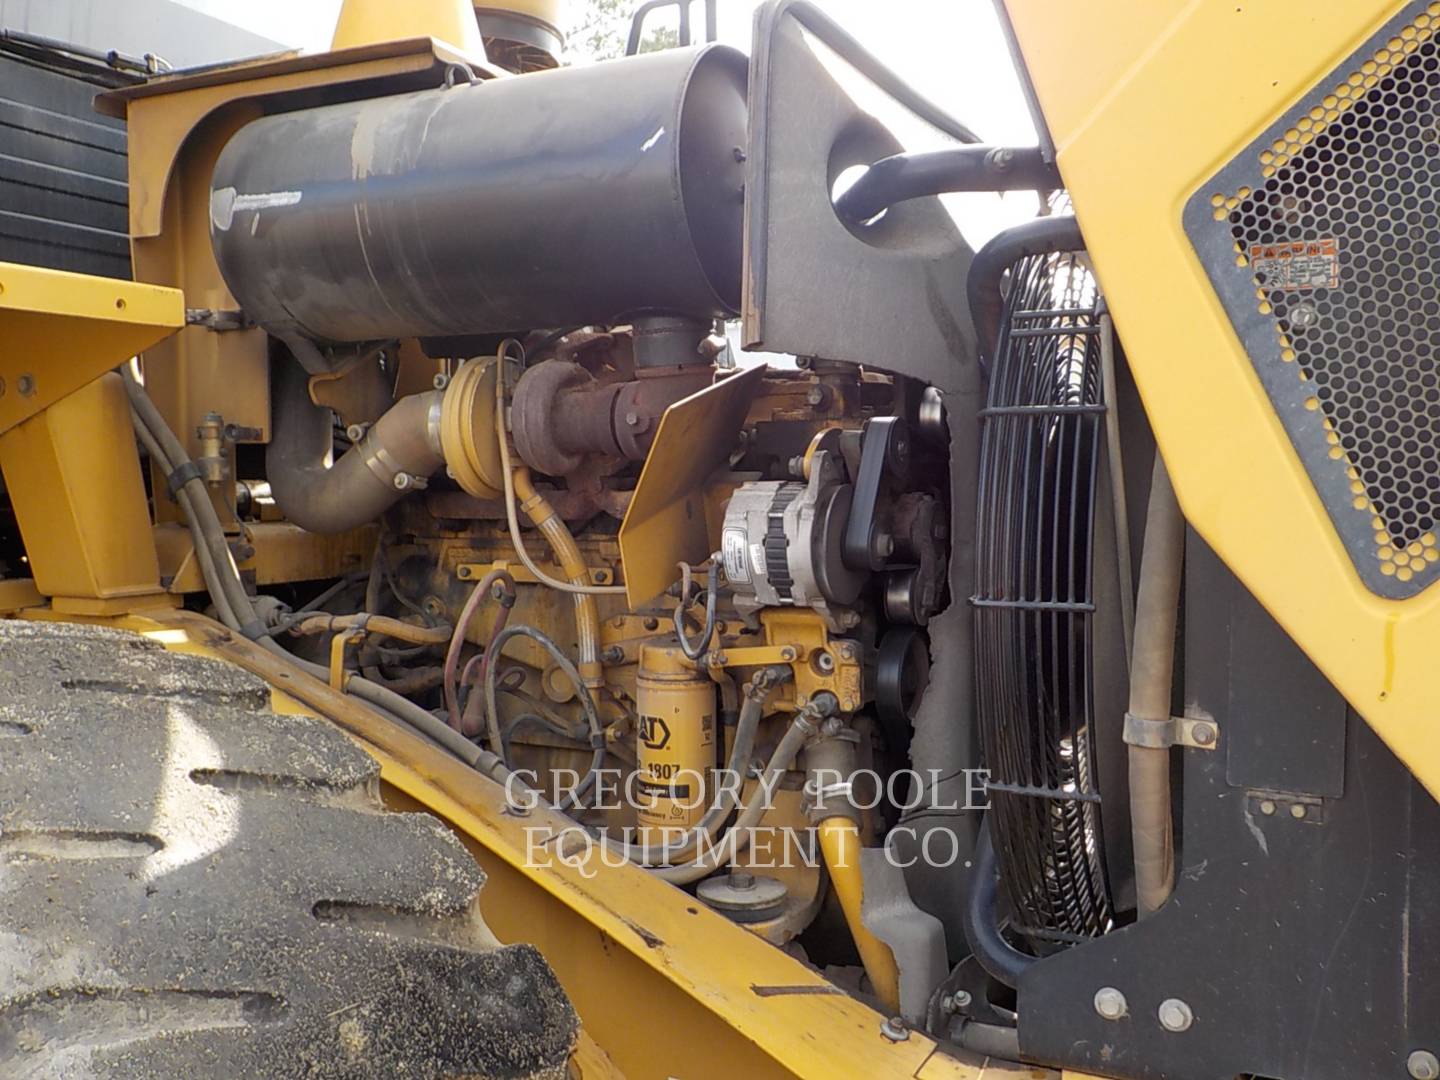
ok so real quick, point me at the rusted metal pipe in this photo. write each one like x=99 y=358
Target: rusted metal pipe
x=401 y=448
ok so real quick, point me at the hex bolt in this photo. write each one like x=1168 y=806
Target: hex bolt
x=1267 y=807
x=1297 y=811
x=355 y=432
x=815 y=395
x=403 y=481
x=1423 y=1065
x=957 y=1001
x=742 y=879
x=1175 y=1015
x=612 y=654
x=632 y=419
x=1110 y=1003
x=895 y=1030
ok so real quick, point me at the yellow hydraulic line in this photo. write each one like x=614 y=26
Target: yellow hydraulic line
x=840 y=848
x=567 y=553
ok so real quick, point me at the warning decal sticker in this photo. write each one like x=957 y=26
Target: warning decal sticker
x=1301 y=264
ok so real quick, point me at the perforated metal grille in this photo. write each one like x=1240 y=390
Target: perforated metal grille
x=1335 y=237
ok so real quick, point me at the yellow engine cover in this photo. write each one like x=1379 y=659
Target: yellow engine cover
x=1148 y=104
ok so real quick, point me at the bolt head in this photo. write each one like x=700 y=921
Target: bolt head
x=1110 y=1003
x=1204 y=734
x=895 y=1030
x=1423 y=1065
x=403 y=481
x=1175 y=1015
x=632 y=418
x=961 y=999
x=742 y=879
x=1267 y=807
x=815 y=396
x=355 y=432
x=441 y=380
x=26 y=385
x=1297 y=811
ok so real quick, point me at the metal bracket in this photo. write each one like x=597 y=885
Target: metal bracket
x=218 y=320
x=1194 y=732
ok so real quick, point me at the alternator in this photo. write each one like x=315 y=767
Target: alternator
x=782 y=540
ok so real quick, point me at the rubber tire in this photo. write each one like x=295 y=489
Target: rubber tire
x=192 y=885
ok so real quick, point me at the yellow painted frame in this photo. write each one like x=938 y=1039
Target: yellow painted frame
x=1146 y=102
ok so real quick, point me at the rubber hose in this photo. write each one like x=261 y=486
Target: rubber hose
x=1004 y=962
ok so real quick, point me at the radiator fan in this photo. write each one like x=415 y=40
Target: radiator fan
x=1046 y=649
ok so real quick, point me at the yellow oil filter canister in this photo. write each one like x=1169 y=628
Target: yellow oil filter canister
x=675 y=741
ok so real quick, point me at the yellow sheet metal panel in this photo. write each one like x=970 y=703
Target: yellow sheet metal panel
x=666 y=520
x=73 y=475
x=61 y=330
x=17 y=594
x=1146 y=103
x=283 y=553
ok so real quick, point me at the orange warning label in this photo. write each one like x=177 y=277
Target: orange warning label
x=1299 y=264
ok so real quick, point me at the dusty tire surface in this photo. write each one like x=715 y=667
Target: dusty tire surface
x=192 y=885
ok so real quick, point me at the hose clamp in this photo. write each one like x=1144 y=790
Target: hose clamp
x=1194 y=732
x=180 y=476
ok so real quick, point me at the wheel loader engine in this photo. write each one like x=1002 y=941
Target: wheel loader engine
x=601 y=550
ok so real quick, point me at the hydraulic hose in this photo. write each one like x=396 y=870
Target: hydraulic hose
x=567 y=553
x=1003 y=961
x=587 y=704
x=233 y=604
x=982 y=284
x=498 y=576
x=738 y=838
x=1152 y=664
x=403 y=445
x=900 y=177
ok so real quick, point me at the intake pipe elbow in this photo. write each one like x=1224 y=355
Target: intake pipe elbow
x=401 y=447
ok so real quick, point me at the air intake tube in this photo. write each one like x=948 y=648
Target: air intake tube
x=403 y=446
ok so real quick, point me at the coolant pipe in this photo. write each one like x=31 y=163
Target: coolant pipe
x=567 y=554
x=1152 y=664
x=400 y=447
x=998 y=957
x=840 y=848
x=829 y=757
x=982 y=283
